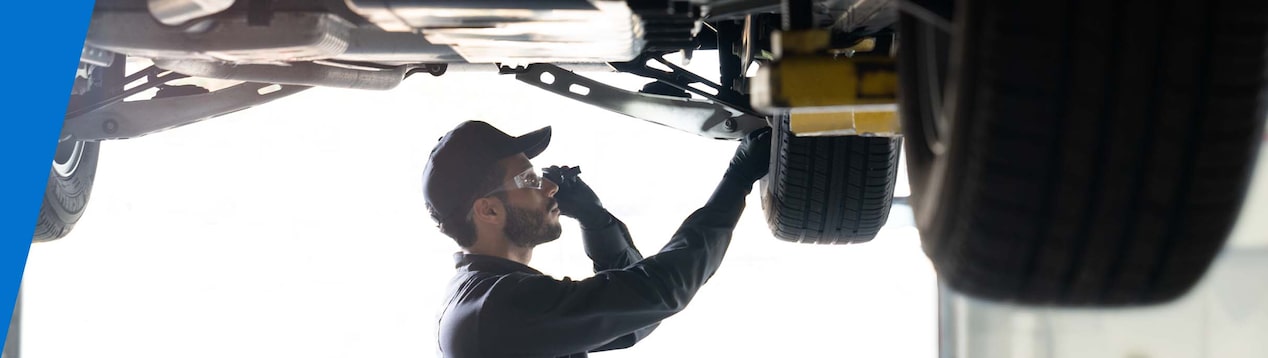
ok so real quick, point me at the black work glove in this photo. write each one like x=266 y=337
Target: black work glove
x=576 y=199
x=752 y=158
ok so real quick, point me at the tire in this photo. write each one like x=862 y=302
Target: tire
x=829 y=190
x=1088 y=153
x=74 y=169
x=69 y=185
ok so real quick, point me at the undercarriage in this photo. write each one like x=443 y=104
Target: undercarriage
x=377 y=44
x=1038 y=136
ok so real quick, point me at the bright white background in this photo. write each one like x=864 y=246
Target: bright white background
x=297 y=229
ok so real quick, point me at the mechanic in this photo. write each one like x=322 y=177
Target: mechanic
x=483 y=192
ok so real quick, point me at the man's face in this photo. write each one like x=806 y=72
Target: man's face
x=532 y=215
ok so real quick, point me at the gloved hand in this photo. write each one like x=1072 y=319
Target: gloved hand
x=575 y=198
x=752 y=158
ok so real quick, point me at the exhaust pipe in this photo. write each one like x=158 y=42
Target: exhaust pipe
x=298 y=73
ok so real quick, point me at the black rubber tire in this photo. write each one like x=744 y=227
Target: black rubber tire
x=66 y=196
x=74 y=168
x=1091 y=153
x=829 y=190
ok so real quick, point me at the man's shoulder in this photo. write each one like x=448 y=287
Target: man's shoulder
x=465 y=282
x=488 y=307
x=467 y=285
x=494 y=292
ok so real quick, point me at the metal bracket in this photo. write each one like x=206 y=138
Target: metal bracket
x=682 y=79
x=692 y=116
x=137 y=118
x=154 y=77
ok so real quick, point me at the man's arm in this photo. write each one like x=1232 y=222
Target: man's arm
x=611 y=246
x=607 y=240
x=538 y=315
x=629 y=340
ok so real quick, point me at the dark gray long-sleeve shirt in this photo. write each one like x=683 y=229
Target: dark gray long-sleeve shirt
x=501 y=308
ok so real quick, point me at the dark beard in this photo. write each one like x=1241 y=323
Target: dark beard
x=528 y=228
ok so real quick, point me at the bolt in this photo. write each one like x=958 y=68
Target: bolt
x=730 y=125
x=437 y=70
x=110 y=126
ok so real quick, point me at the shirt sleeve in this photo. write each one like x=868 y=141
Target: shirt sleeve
x=527 y=314
x=611 y=246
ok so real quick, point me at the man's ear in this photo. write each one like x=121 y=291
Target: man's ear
x=488 y=209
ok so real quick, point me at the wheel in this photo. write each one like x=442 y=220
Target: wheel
x=1081 y=153
x=69 y=184
x=74 y=166
x=829 y=190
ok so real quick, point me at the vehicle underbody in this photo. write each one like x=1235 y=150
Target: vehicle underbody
x=376 y=44
x=1059 y=153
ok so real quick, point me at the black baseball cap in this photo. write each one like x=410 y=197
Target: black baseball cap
x=463 y=157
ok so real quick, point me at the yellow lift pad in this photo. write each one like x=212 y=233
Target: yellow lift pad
x=874 y=123
x=827 y=93
x=820 y=81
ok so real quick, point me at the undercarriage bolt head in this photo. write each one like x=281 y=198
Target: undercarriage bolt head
x=110 y=126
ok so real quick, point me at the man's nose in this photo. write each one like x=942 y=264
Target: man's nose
x=550 y=187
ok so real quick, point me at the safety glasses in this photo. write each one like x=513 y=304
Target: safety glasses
x=528 y=179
